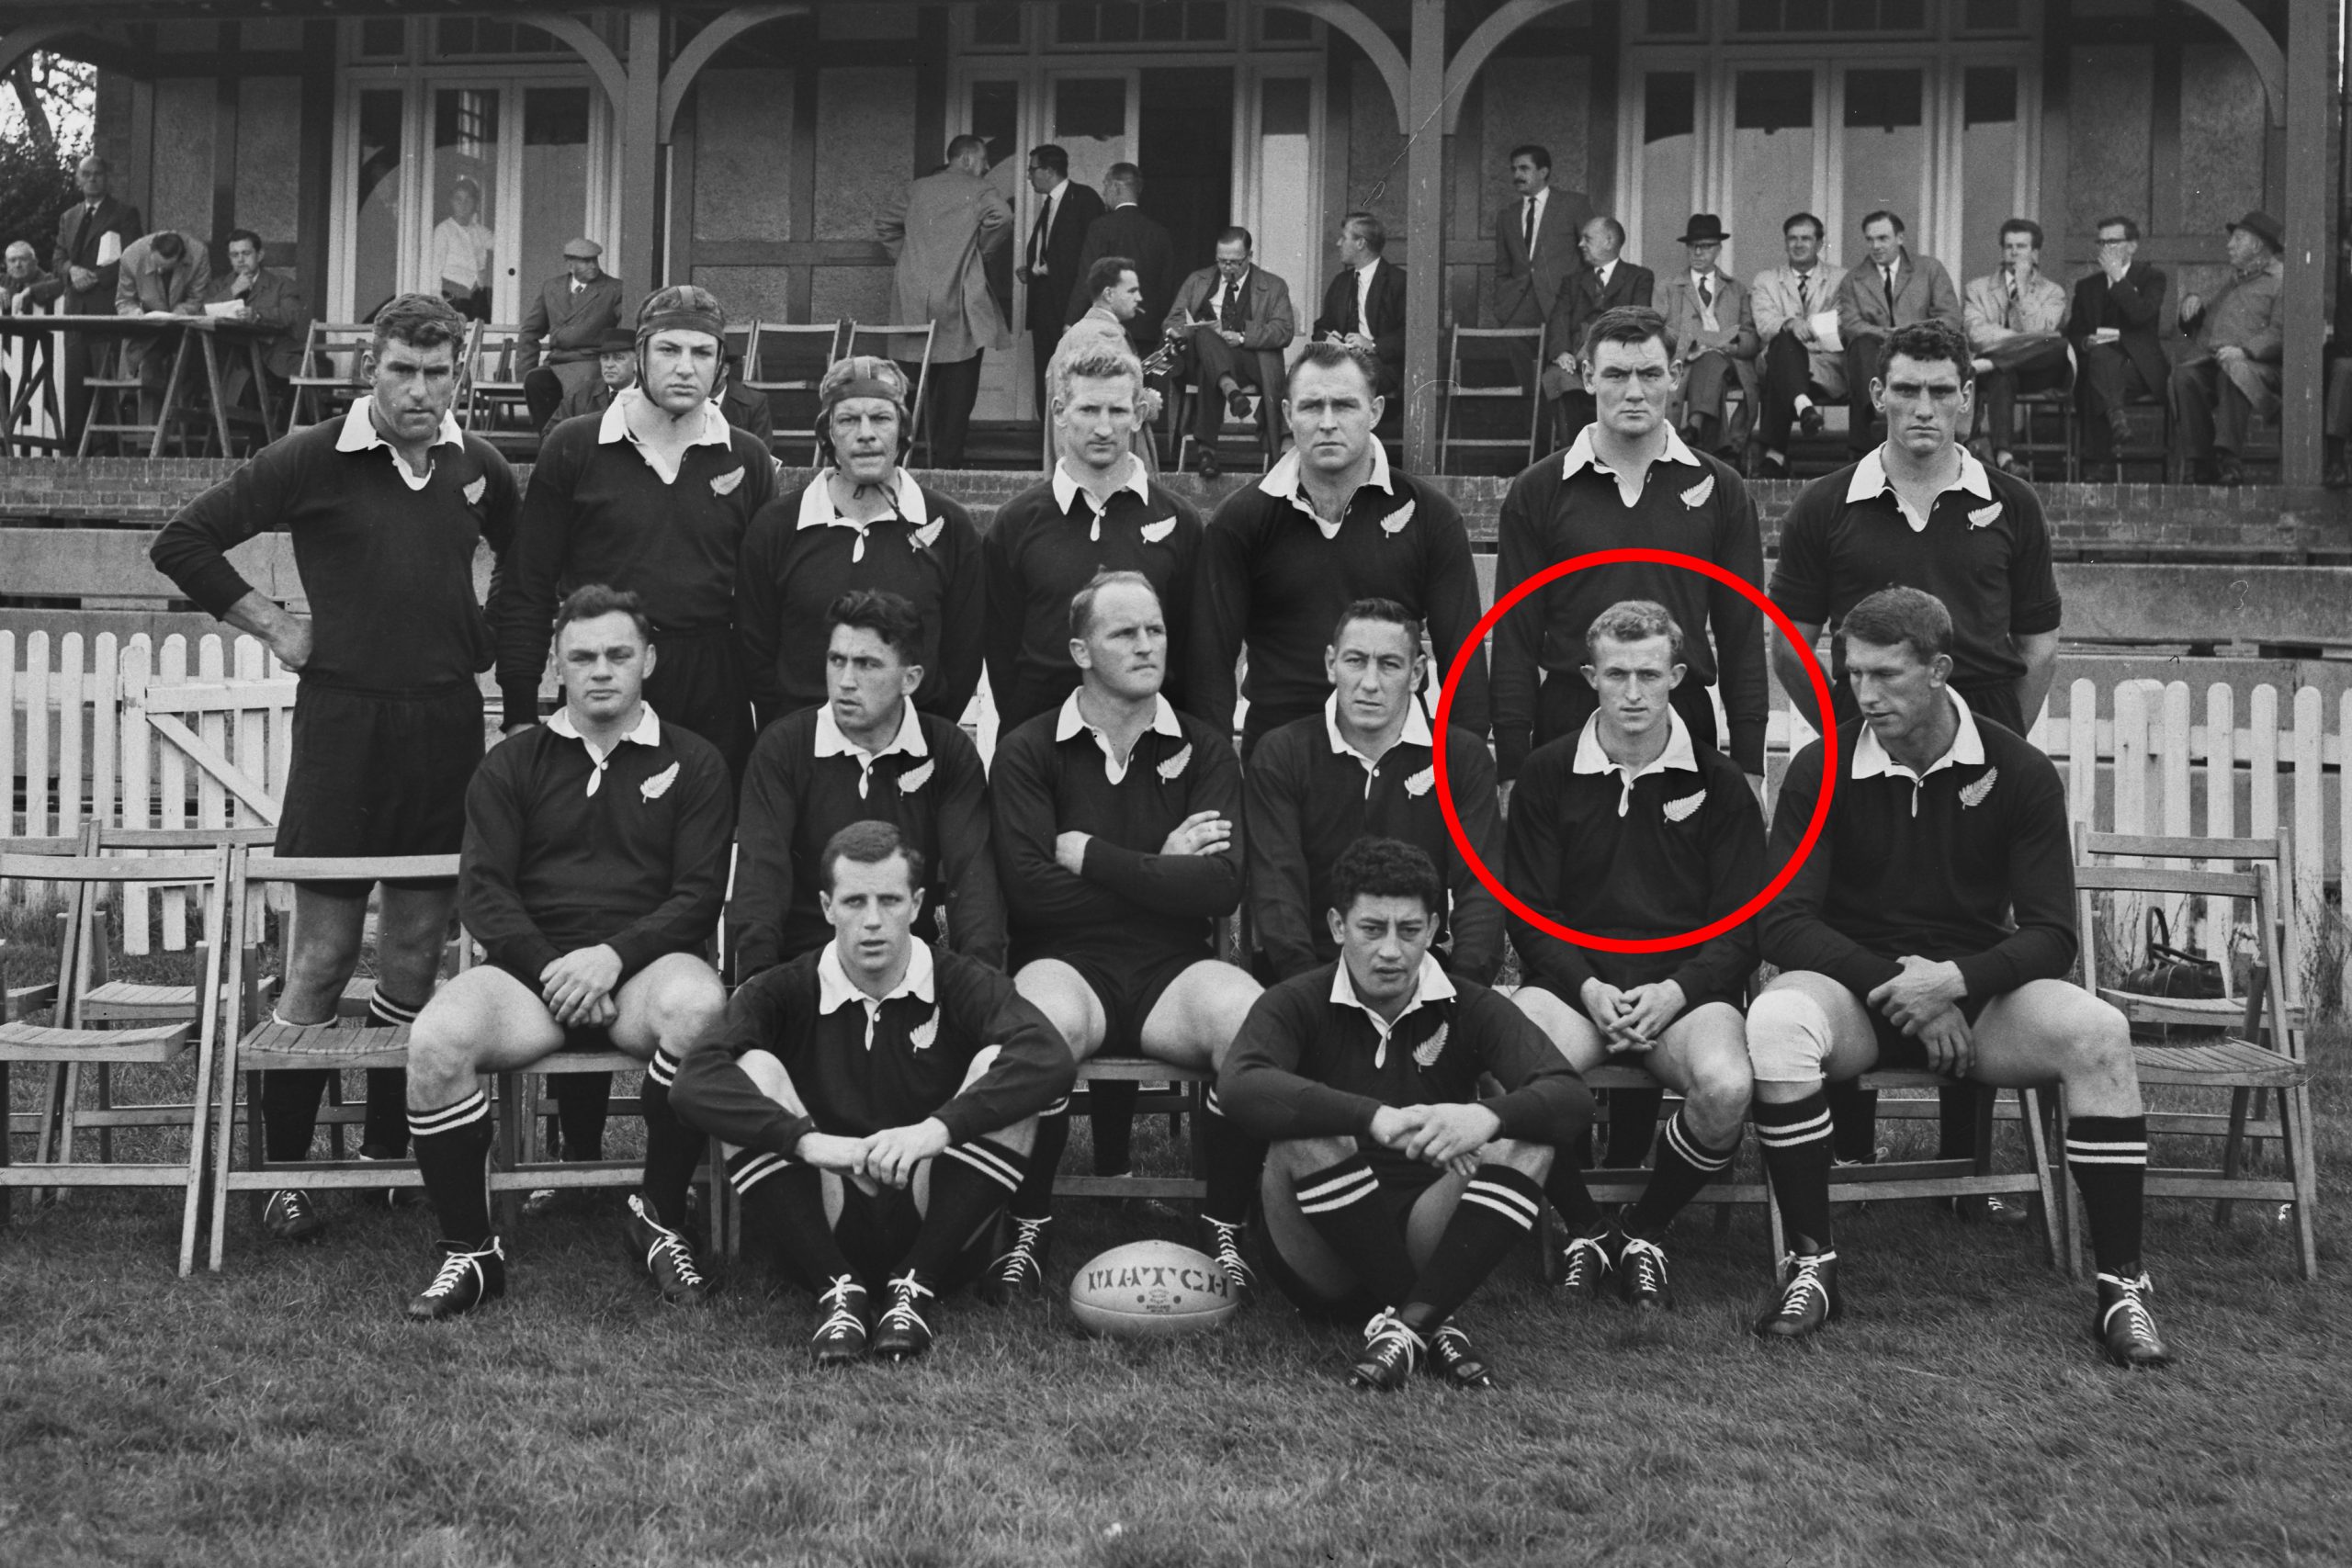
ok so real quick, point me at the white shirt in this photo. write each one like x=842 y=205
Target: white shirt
x=1677 y=756
x=1067 y=488
x=1043 y=234
x=1604 y=272
x=359 y=434
x=1870 y=479
x=1114 y=768
x=836 y=991
x=461 y=252
x=1872 y=761
x=833 y=742
x=1216 y=300
x=1705 y=285
x=1534 y=232
x=1364 y=296
x=1429 y=985
x=647 y=732
x=817 y=507
x=1415 y=733
x=1283 y=481
x=615 y=428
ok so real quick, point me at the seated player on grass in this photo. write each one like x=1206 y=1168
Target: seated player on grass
x=594 y=866
x=1632 y=829
x=1362 y=766
x=1391 y=1188
x=1118 y=845
x=865 y=753
x=1932 y=927
x=879 y=1098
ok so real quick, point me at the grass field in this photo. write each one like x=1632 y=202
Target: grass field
x=283 y=1412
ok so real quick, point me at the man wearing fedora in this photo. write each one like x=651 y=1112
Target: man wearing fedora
x=569 y=315
x=1714 y=344
x=615 y=368
x=2237 y=339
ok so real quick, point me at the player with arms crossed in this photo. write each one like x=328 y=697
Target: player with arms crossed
x=1630 y=828
x=596 y=862
x=879 y=1099
x=1932 y=927
x=1118 y=843
x=1391 y=1188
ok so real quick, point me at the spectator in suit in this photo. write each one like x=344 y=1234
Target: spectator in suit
x=1606 y=283
x=569 y=314
x=2238 y=337
x=1535 y=241
x=745 y=408
x=1066 y=209
x=1715 y=343
x=615 y=368
x=1127 y=230
x=1892 y=289
x=939 y=234
x=1800 y=370
x=1224 y=318
x=267 y=298
x=91 y=237
x=1364 y=307
x=169 y=272
x=30 y=286
x=2114 y=325
x=2015 y=320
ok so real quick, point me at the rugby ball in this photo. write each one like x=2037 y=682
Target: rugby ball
x=1149 y=1289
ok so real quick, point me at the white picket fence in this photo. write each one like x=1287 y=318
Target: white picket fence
x=182 y=738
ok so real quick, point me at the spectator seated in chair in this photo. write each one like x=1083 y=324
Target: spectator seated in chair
x=1223 y=319
x=2015 y=320
x=2230 y=373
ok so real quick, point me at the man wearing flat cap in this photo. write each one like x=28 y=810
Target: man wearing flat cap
x=1713 y=340
x=569 y=315
x=2236 y=340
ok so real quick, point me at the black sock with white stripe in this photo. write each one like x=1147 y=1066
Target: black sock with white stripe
x=1034 y=1199
x=2108 y=1158
x=1796 y=1139
x=1341 y=1202
x=1498 y=1208
x=384 y=1135
x=1684 y=1164
x=1236 y=1161
x=784 y=1212
x=969 y=1183
x=453 y=1153
x=672 y=1149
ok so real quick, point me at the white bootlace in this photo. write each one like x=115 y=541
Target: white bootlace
x=2137 y=1320
x=1804 y=1279
x=905 y=1291
x=454 y=1269
x=1637 y=1248
x=1580 y=1248
x=1387 y=1333
x=1228 y=1253
x=1020 y=1259
x=843 y=1317
x=668 y=1244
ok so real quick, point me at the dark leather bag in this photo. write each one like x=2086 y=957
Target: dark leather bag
x=2167 y=971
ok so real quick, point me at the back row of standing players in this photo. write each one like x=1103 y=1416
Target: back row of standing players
x=846 y=626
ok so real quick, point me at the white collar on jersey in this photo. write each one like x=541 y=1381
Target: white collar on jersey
x=1067 y=488
x=1070 y=721
x=1429 y=985
x=647 y=732
x=1870 y=479
x=835 y=990
x=1582 y=456
x=1281 y=481
x=1967 y=750
x=1678 y=755
x=1415 y=733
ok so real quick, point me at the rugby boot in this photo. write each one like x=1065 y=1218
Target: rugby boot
x=840 y=1339
x=1391 y=1354
x=1225 y=1246
x=900 y=1333
x=469 y=1276
x=1992 y=1209
x=667 y=1255
x=290 y=1215
x=1585 y=1262
x=1641 y=1275
x=1020 y=1270
x=2124 y=1326
x=1808 y=1297
x=1454 y=1359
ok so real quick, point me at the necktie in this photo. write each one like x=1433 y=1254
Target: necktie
x=1527 y=228
x=1890 y=293
x=1037 y=235
x=2010 y=316
x=1707 y=293
x=1229 y=316
x=1804 y=294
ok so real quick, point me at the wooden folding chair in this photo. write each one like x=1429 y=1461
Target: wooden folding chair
x=492 y=397
x=68 y=1042
x=258 y=1042
x=785 y=360
x=326 y=380
x=872 y=337
x=2264 y=1052
x=1520 y=347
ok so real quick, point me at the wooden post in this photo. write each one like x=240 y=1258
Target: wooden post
x=1425 y=223
x=2311 y=37
x=641 y=255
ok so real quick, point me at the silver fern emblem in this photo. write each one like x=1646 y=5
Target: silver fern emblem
x=1173 y=767
x=1428 y=1051
x=1974 y=794
x=1681 y=810
x=1696 y=496
x=1985 y=516
x=1394 y=524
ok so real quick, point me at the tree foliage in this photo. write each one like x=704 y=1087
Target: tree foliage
x=36 y=185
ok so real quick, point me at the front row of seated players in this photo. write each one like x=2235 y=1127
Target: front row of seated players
x=874 y=1145
x=1118 y=845
x=1630 y=828
x=594 y=866
x=1391 y=1188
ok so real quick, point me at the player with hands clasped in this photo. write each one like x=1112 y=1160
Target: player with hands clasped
x=1932 y=927
x=1630 y=828
x=879 y=1098
x=1391 y=1189
x=594 y=866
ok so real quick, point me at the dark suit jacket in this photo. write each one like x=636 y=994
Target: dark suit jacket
x=1128 y=232
x=1385 y=307
x=2135 y=307
x=1267 y=319
x=275 y=300
x=1565 y=212
x=1082 y=204
x=1583 y=298
x=571 y=323
x=77 y=245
